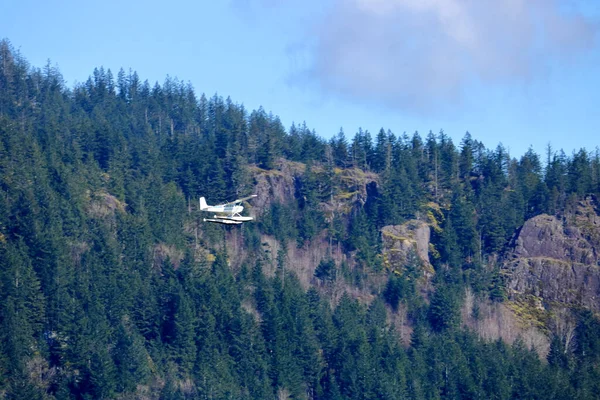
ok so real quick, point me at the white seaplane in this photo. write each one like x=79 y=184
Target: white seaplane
x=231 y=210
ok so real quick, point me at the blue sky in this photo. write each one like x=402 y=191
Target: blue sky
x=518 y=72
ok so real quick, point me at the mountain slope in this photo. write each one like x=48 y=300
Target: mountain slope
x=111 y=286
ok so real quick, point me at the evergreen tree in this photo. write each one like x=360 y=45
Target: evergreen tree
x=443 y=310
x=339 y=148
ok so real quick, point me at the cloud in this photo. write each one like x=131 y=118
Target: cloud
x=421 y=54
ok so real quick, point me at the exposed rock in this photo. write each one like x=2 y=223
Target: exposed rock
x=274 y=186
x=556 y=261
x=402 y=243
x=546 y=236
x=554 y=281
x=278 y=186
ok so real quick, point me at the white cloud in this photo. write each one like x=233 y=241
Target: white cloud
x=420 y=54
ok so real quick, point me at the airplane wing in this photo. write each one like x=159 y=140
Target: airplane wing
x=240 y=200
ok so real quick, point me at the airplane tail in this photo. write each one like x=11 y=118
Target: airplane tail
x=203 y=205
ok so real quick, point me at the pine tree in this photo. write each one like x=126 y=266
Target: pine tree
x=443 y=310
x=339 y=147
x=22 y=306
x=131 y=359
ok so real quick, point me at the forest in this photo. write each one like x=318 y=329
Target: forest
x=104 y=294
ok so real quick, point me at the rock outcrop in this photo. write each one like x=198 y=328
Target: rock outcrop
x=279 y=186
x=274 y=186
x=555 y=262
x=407 y=244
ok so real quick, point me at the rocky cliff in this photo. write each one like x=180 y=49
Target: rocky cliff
x=551 y=264
x=555 y=262
x=278 y=186
x=407 y=244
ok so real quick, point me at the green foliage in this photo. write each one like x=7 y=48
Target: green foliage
x=444 y=309
x=325 y=271
x=397 y=289
x=107 y=290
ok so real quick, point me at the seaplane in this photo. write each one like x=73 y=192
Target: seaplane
x=228 y=213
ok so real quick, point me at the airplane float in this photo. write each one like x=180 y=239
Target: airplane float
x=231 y=210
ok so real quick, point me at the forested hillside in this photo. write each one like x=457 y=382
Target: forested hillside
x=111 y=286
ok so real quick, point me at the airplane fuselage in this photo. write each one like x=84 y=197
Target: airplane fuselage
x=228 y=209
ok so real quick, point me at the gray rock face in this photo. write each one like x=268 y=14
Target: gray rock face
x=272 y=187
x=546 y=236
x=556 y=261
x=403 y=242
